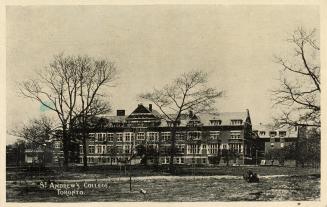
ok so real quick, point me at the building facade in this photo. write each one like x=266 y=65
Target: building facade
x=271 y=137
x=200 y=138
x=268 y=137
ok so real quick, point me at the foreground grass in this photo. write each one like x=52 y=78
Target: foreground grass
x=202 y=188
x=100 y=172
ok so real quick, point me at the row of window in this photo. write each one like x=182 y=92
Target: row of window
x=211 y=148
x=111 y=160
x=232 y=122
x=154 y=136
x=236 y=147
x=191 y=149
x=101 y=149
x=163 y=160
x=181 y=160
x=110 y=136
x=214 y=122
x=273 y=133
x=235 y=135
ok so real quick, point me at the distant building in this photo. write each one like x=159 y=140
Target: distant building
x=270 y=137
x=34 y=156
x=199 y=137
x=49 y=153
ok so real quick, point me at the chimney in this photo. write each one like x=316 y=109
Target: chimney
x=120 y=112
x=190 y=114
x=150 y=107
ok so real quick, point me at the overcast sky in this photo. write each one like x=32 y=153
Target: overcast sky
x=151 y=45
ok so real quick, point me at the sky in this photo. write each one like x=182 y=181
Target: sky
x=152 y=45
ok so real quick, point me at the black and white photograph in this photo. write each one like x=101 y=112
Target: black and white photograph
x=163 y=103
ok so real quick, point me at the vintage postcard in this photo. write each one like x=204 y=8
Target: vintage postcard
x=162 y=102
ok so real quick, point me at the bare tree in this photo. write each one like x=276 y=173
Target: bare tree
x=93 y=75
x=36 y=132
x=60 y=88
x=37 y=135
x=189 y=92
x=56 y=89
x=299 y=93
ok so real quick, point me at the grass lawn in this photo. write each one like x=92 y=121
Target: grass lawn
x=176 y=188
x=100 y=172
x=188 y=184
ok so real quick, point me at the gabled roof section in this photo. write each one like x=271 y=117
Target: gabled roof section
x=194 y=117
x=142 y=112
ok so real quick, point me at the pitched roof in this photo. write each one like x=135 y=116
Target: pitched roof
x=140 y=109
x=116 y=119
x=142 y=112
x=205 y=118
x=291 y=132
x=224 y=117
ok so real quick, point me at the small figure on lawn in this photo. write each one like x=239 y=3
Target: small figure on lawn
x=251 y=177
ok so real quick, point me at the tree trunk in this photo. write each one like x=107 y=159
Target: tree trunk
x=158 y=152
x=84 y=151
x=84 y=139
x=65 y=139
x=172 y=151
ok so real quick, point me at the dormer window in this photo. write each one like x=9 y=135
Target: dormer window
x=193 y=123
x=170 y=123
x=236 y=122
x=215 y=122
x=262 y=133
x=282 y=133
x=272 y=133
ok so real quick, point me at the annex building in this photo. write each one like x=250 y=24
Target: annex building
x=269 y=137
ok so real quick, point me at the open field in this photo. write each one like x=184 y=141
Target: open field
x=188 y=184
x=174 y=188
